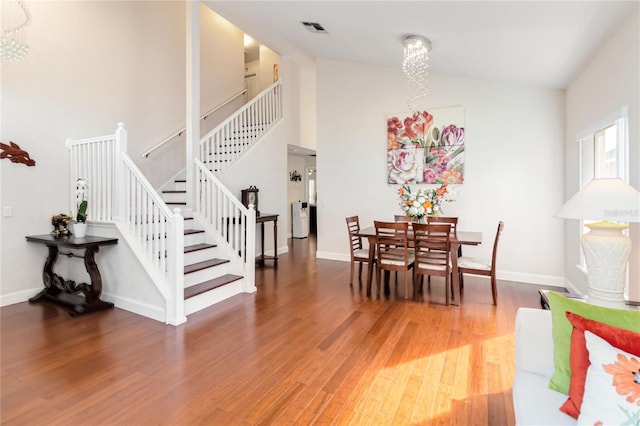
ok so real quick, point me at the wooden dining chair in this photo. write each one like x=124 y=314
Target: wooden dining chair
x=475 y=266
x=453 y=221
x=432 y=254
x=393 y=253
x=358 y=253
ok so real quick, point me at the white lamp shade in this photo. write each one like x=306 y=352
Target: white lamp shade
x=604 y=199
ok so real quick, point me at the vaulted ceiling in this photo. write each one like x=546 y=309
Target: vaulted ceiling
x=539 y=43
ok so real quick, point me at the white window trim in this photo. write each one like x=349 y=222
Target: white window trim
x=621 y=118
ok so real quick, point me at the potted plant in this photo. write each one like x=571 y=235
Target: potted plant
x=80 y=225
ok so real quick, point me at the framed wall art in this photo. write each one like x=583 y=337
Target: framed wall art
x=426 y=147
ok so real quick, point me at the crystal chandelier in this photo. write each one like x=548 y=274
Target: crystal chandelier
x=415 y=64
x=15 y=18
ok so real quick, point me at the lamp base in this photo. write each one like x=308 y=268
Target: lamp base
x=606 y=251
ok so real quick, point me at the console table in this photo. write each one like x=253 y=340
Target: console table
x=82 y=298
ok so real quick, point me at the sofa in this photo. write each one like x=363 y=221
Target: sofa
x=534 y=402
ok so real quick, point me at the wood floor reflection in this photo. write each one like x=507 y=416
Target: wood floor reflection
x=307 y=348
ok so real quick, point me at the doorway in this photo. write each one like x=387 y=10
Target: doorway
x=312 y=196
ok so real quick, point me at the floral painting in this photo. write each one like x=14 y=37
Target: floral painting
x=426 y=147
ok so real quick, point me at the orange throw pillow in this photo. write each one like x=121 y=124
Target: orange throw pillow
x=626 y=340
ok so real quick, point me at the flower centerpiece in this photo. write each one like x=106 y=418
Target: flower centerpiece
x=424 y=202
x=80 y=226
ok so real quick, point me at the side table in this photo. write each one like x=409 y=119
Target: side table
x=268 y=217
x=82 y=298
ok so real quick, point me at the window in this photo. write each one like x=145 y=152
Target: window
x=604 y=153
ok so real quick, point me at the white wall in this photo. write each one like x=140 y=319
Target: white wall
x=268 y=58
x=308 y=99
x=514 y=163
x=264 y=166
x=221 y=77
x=91 y=65
x=610 y=80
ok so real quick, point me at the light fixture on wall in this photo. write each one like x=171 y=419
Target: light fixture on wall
x=295 y=176
x=415 y=65
x=15 y=18
x=606 y=249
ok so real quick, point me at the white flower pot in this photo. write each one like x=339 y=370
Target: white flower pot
x=79 y=230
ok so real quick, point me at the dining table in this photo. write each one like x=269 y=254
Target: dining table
x=470 y=238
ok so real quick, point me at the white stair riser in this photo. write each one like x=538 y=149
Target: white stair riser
x=204 y=300
x=174 y=197
x=205 y=274
x=200 y=255
x=188 y=223
x=179 y=186
x=193 y=239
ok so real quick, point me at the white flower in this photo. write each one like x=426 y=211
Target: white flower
x=81 y=187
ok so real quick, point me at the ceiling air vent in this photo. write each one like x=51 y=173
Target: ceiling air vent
x=314 y=27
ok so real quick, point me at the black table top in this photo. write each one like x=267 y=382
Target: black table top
x=72 y=241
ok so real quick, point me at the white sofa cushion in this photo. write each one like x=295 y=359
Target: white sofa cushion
x=534 y=341
x=534 y=403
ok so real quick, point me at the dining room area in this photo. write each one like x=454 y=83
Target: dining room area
x=397 y=257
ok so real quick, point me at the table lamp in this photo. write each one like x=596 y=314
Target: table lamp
x=606 y=249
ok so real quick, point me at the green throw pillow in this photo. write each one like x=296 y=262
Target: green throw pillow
x=562 y=329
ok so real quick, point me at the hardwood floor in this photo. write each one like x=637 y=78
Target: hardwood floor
x=307 y=348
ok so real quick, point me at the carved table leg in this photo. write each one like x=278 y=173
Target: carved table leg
x=48 y=277
x=91 y=291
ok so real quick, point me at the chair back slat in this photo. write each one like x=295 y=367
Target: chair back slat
x=353 y=226
x=393 y=242
x=432 y=245
x=453 y=221
x=393 y=250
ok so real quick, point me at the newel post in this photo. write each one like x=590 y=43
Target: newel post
x=193 y=95
x=250 y=255
x=175 y=270
x=120 y=148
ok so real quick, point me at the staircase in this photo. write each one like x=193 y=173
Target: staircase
x=206 y=276
x=197 y=260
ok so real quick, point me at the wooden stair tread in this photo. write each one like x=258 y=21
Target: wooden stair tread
x=196 y=247
x=197 y=289
x=203 y=265
x=193 y=231
x=174 y=191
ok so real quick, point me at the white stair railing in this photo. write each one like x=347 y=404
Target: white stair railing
x=118 y=192
x=158 y=232
x=235 y=224
x=231 y=138
x=96 y=160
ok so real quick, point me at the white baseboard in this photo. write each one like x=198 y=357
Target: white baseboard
x=146 y=310
x=523 y=277
x=19 y=296
x=342 y=257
